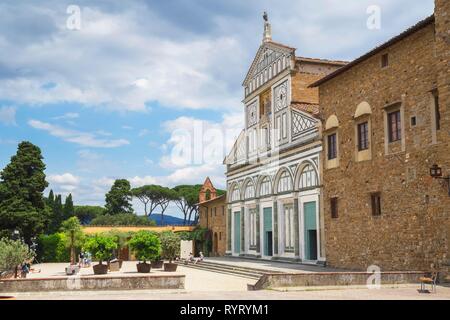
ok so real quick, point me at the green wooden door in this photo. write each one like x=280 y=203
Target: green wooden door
x=310 y=230
x=237 y=232
x=267 y=212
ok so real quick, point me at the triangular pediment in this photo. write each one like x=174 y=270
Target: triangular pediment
x=267 y=53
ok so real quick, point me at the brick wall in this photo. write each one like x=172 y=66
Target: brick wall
x=213 y=217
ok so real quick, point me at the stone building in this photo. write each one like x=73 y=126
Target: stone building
x=212 y=217
x=386 y=123
x=273 y=170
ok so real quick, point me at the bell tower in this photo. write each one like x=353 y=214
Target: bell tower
x=207 y=192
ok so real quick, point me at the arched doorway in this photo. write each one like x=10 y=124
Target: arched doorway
x=216 y=245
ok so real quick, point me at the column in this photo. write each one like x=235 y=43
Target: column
x=242 y=230
x=296 y=227
x=258 y=245
x=229 y=231
x=275 y=227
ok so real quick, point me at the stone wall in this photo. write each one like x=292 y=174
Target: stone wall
x=74 y=283
x=274 y=280
x=413 y=230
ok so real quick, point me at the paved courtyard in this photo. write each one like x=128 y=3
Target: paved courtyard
x=201 y=284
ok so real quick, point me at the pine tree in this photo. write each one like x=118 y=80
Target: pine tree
x=22 y=183
x=51 y=199
x=118 y=199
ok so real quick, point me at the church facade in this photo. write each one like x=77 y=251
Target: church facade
x=274 y=168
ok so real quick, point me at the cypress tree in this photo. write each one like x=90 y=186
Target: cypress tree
x=68 y=207
x=22 y=183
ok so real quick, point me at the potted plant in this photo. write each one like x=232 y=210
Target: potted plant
x=101 y=247
x=146 y=247
x=121 y=239
x=157 y=263
x=72 y=229
x=170 y=245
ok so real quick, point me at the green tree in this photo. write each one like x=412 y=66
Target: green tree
x=22 y=183
x=87 y=213
x=72 y=228
x=145 y=245
x=118 y=199
x=68 y=207
x=51 y=199
x=150 y=196
x=187 y=200
x=57 y=215
x=166 y=195
x=13 y=253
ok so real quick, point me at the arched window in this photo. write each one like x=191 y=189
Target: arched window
x=264 y=188
x=308 y=178
x=235 y=194
x=249 y=191
x=284 y=182
x=208 y=195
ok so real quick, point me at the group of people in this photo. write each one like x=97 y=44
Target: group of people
x=84 y=259
x=25 y=268
x=191 y=258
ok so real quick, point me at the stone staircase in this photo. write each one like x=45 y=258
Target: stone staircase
x=244 y=272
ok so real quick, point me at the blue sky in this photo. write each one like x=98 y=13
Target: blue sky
x=111 y=100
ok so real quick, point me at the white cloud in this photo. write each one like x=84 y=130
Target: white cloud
x=113 y=62
x=143 y=132
x=197 y=142
x=65 y=178
x=67 y=116
x=8 y=115
x=141 y=181
x=81 y=138
x=63 y=183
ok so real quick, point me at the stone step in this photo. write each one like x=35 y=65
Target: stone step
x=240 y=268
x=243 y=274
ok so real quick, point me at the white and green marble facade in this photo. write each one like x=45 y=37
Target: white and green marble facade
x=287 y=189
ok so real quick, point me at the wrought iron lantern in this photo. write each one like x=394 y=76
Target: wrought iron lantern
x=436 y=172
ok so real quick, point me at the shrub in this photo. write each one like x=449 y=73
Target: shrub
x=170 y=245
x=122 y=219
x=13 y=254
x=145 y=245
x=101 y=247
x=53 y=248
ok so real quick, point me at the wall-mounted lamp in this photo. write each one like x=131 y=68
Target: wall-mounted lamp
x=436 y=172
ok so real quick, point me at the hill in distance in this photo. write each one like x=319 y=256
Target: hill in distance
x=168 y=220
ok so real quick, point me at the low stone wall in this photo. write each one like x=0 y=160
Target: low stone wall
x=74 y=283
x=273 y=280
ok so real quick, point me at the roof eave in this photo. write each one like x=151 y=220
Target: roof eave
x=421 y=24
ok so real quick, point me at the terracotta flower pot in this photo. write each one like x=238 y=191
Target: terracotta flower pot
x=100 y=269
x=114 y=266
x=170 y=267
x=144 y=267
x=157 y=264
